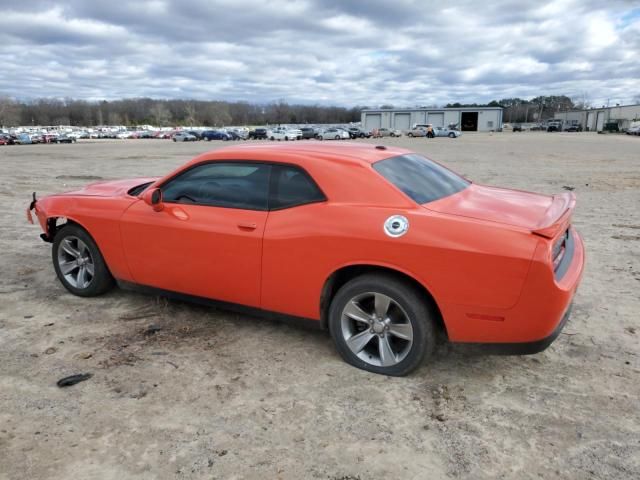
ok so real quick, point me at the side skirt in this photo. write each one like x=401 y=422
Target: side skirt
x=233 y=307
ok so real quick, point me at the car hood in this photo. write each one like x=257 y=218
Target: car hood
x=511 y=207
x=111 y=188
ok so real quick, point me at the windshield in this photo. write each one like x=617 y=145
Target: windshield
x=419 y=178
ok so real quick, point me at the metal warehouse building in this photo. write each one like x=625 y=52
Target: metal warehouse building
x=468 y=119
x=594 y=119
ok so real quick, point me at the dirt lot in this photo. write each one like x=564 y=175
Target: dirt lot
x=216 y=395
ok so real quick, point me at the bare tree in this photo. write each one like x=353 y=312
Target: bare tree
x=9 y=112
x=160 y=114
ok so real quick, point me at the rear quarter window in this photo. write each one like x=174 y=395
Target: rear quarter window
x=419 y=178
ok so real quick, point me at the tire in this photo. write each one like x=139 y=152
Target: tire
x=337 y=137
x=409 y=134
x=70 y=244
x=452 y=135
x=272 y=139
x=406 y=306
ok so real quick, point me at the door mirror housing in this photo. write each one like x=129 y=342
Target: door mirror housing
x=153 y=198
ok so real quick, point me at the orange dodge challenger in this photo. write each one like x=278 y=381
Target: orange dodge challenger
x=384 y=247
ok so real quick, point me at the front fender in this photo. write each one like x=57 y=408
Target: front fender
x=99 y=216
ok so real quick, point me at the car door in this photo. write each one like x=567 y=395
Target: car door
x=289 y=269
x=207 y=239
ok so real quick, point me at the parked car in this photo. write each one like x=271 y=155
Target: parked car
x=195 y=133
x=356 y=132
x=258 y=134
x=23 y=139
x=387 y=132
x=446 y=132
x=417 y=132
x=383 y=246
x=284 y=133
x=239 y=133
x=633 y=130
x=309 y=132
x=184 y=137
x=332 y=134
x=6 y=139
x=216 y=135
x=63 y=139
x=554 y=126
x=517 y=127
x=234 y=134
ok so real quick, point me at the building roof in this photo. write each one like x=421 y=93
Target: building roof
x=428 y=109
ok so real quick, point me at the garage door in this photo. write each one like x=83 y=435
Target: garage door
x=436 y=119
x=590 y=124
x=372 y=121
x=402 y=121
x=600 y=122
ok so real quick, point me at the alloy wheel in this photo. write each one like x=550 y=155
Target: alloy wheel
x=75 y=262
x=376 y=329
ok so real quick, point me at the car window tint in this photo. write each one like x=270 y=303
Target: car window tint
x=292 y=186
x=419 y=178
x=221 y=184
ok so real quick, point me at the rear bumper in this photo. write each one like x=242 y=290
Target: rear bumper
x=538 y=316
x=525 y=348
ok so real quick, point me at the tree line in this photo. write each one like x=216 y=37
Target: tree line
x=148 y=111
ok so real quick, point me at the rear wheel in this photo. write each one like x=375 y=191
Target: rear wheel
x=382 y=324
x=452 y=135
x=79 y=263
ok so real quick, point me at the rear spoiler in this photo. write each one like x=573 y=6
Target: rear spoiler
x=557 y=217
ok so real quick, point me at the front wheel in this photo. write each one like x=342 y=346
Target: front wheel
x=382 y=324
x=79 y=263
x=452 y=135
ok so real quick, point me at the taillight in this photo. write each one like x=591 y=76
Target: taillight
x=559 y=248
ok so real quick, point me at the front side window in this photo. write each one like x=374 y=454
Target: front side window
x=291 y=186
x=420 y=179
x=221 y=184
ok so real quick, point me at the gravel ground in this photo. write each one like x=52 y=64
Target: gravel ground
x=213 y=394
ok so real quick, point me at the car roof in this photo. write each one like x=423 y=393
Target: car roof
x=302 y=152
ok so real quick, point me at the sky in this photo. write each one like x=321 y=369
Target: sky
x=328 y=52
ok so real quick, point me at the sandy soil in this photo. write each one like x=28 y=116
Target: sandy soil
x=216 y=395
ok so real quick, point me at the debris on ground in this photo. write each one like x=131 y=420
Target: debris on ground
x=51 y=350
x=152 y=329
x=568 y=187
x=73 y=379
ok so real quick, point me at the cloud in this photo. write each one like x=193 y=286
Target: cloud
x=320 y=51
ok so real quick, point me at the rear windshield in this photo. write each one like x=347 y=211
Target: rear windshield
x=419 y=178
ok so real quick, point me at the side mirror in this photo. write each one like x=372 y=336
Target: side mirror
x=153 y=198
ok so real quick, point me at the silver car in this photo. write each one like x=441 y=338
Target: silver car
x=388 y=132
x=417 y=132
x=184 y=137
x=445 y=132
x=332 y=134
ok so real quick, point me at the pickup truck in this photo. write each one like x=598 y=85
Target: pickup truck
x=258 y=134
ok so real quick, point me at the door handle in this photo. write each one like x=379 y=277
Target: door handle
x=247 y=226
